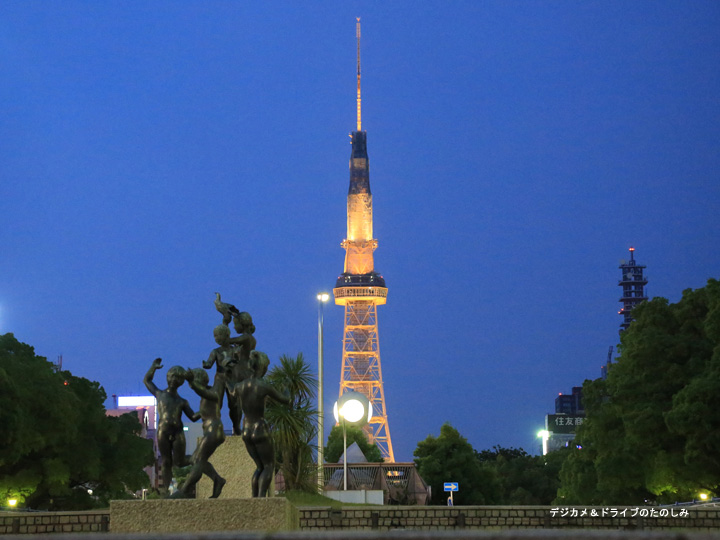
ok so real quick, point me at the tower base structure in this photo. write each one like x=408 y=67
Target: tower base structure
x=361 y=369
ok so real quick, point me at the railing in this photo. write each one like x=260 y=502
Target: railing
x=630 y=278
x=399 y=481
x=359 y=292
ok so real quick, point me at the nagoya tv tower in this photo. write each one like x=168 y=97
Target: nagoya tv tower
x=360 y=289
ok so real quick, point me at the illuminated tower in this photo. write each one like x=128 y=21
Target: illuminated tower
x=633 y=286
x=360 y=289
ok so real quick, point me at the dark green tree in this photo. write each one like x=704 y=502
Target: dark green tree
x=58 y=442
x=652 y=427
x=334 y=448
x=694 y=415
x=578 y=479
x=294 y=428
x=451 y=458
x=524 y=479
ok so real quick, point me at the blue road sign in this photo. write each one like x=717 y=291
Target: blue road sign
x=451 y=486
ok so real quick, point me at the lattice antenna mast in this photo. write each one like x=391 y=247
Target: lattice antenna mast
x=359 y=100
x=633 y=284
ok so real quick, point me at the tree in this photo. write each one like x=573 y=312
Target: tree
x=334 y=448
x=450 y=458
x=694 y=415
x=578 y=479
x=294 y=428
x=524 y=479
x=58 y=441
x=652 y=429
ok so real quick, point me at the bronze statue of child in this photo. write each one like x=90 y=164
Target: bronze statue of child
x=170 y=406
x=222 y=357
x=252 y=393
x=239 y=366
x=213 y=434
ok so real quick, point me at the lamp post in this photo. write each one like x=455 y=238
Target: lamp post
x=354 y=409
x=544 y=434
x=322 y=298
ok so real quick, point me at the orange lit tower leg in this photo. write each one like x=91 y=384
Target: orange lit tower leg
x=360 y=289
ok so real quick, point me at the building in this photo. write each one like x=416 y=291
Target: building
x=633 y=284
x=560 y=427
x=570 y=403
x=360 y=289
x=146 y=409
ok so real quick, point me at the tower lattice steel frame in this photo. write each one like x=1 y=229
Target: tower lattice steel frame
x=633 y=284
x=360 y=289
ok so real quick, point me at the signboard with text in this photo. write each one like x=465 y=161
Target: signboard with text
x=563 y=423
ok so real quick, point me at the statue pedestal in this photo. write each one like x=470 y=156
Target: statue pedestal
x=234 y=510
x=193 y=515
x=235 y=465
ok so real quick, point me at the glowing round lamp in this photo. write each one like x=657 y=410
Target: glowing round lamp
x=354 y=408
x=12 y=502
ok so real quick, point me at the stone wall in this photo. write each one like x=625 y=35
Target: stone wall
x=421 y=518
x=202 y=515
x=428 y=518
x=54 y=522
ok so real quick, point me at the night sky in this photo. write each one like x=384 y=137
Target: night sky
x=152 y=153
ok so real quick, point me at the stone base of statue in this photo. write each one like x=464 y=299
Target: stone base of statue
x=235 y=465
x=207 y=515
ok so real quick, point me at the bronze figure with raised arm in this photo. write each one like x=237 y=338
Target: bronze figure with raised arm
x=170 y=406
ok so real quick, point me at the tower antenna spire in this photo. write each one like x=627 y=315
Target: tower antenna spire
x=359 y=101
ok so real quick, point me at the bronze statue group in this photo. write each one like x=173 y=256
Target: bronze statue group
x=239 y=376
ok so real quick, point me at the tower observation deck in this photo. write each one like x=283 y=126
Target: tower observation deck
x=361 y=289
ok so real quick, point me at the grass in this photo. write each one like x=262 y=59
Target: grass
x=301 y=498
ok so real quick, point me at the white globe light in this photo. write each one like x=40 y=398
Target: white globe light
x=352 y=410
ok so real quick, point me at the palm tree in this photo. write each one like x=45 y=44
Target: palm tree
x=294 y=428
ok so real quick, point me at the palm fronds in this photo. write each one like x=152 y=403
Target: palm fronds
x=294 y=428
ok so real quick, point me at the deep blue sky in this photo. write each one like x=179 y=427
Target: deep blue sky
x=154 y=153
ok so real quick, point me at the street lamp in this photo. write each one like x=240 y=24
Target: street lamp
x=544 y=434
x=322 y=298
x=354 y=409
